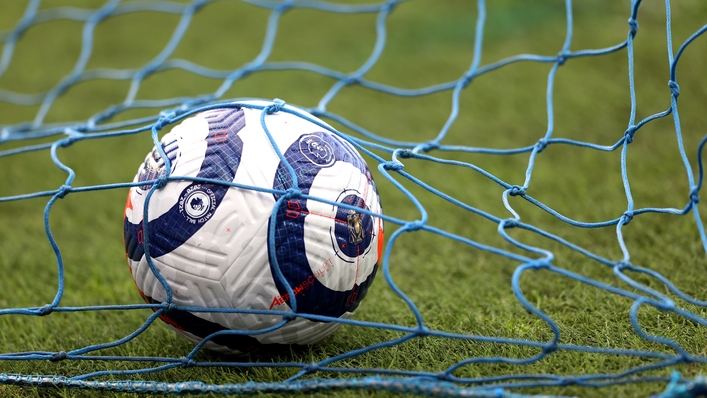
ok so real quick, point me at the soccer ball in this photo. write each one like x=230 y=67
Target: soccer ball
x=212 y=243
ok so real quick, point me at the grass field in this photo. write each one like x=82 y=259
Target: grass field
x=456 y=288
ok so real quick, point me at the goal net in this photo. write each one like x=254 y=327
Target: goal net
x=540 y=189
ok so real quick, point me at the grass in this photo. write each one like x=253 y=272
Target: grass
x=455 y=287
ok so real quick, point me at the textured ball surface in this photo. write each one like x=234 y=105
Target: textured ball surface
x=211 y=242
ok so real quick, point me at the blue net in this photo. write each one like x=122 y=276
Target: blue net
x=423 y=345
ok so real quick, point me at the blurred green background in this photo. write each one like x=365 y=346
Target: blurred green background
x=456 y=288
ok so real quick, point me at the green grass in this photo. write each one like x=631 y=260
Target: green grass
x=456 y=288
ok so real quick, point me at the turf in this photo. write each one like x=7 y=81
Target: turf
x=455 y=287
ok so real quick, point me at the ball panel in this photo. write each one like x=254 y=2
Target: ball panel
x=352 y=236
x=321 y=284
x=197 y=201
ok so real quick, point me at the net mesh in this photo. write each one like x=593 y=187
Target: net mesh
x=47 y=134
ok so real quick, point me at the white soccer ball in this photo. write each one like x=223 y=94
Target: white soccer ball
x=211 y=244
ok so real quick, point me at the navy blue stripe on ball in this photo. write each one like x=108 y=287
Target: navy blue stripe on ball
x=197 y=201
x=199 y=327
x=307 y=156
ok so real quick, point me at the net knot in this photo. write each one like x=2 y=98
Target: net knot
x=246 y=70
x=67 y=142
x=403 y=153
x=289 y=316
x=63 y=190
x=627 y=217
x=540 y=145
x=276 y=106
x=310 y=368
x=164 y=120
x=187 y=362
x=348 y=80
x=393 y=165
x=567 y=381
x=161 y=182
x=549 y=349
x=426 y=147
x=509 y=223
x=45 y=310
x=633 y=27
x=561 y=58
x=292 y=193
x=516 y=190
x=169 y=306
x=695 y=195
x=415 y=225
x=466 y=80
x=539 y=264
x=666 y=305
x=622 y=265
x=674 y=88
x=423 y=331
x=629 y=133
x=72 y=135
x=58 y=356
